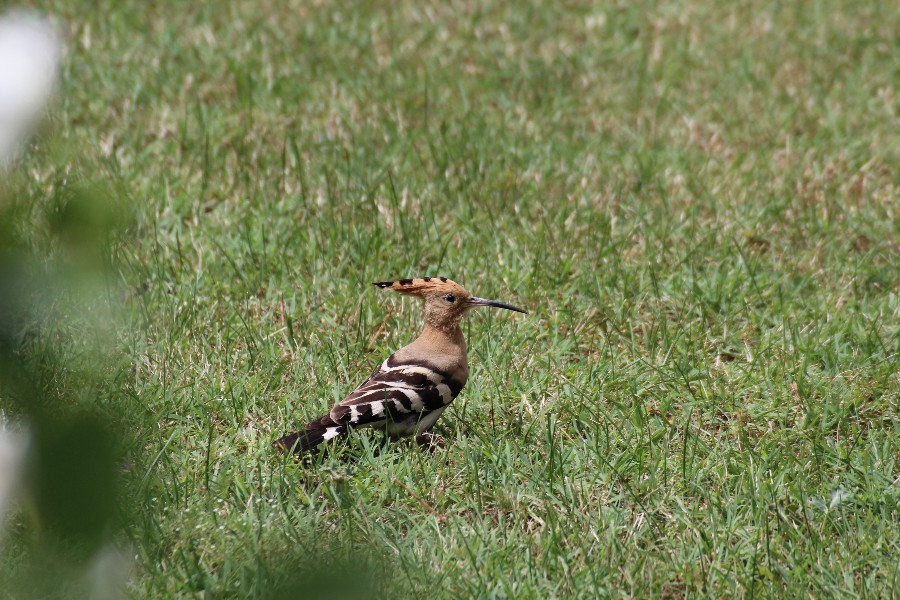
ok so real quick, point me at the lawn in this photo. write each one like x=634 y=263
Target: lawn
x=697 y=202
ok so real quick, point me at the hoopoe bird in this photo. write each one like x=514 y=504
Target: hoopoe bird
x=411 y=389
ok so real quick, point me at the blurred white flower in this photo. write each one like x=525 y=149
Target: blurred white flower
x=30 y=54
x=13 y=446
x=108 y=574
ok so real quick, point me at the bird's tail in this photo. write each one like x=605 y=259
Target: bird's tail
x=317 y=431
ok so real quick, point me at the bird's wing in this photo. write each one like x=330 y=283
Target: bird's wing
x=395 y=391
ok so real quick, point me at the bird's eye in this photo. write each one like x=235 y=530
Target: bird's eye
x=450 y=298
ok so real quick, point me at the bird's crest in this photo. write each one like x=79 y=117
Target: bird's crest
x=420 y=286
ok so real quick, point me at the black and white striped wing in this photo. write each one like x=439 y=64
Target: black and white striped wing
x=396 y=392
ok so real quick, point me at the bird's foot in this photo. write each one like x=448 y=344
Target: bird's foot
x=430 y=441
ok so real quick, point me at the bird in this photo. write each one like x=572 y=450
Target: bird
x=405 y=396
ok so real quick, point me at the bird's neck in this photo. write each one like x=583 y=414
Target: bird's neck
x=444 y=333
x=445 y=349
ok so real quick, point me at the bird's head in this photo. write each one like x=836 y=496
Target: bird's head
x=446 y=302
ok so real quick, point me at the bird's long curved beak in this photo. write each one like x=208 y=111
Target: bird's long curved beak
x=473 y=301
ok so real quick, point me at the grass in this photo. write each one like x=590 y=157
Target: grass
x=697 y=202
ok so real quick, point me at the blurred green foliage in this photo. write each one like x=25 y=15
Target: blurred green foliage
x=50 y=349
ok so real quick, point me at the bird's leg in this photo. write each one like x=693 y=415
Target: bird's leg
x=430 y=441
